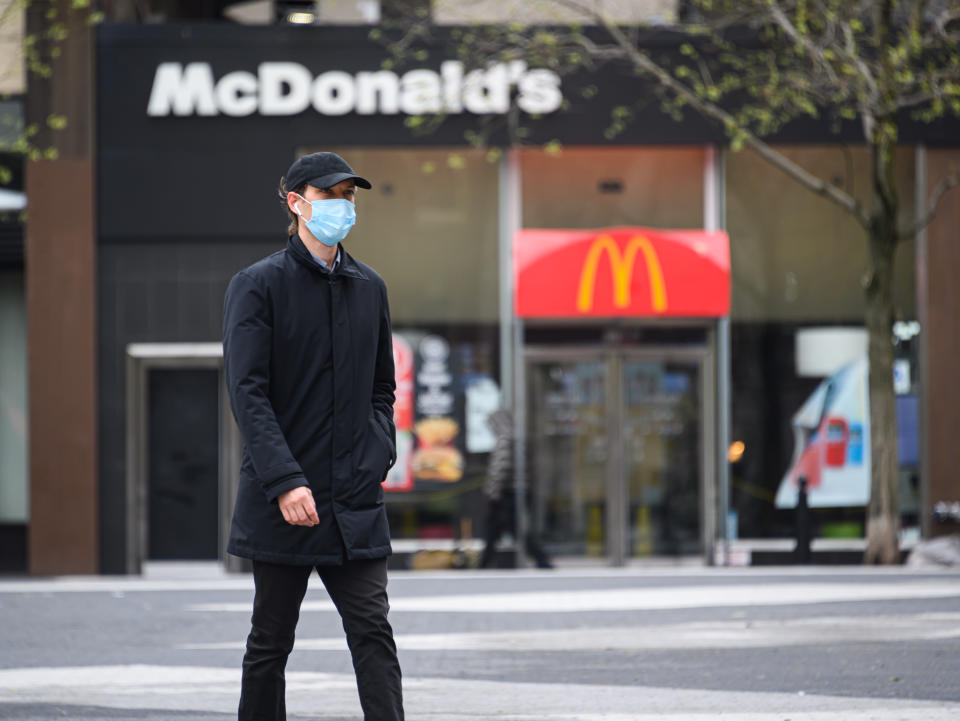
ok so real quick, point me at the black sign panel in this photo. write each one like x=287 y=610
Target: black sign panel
x=196 y=123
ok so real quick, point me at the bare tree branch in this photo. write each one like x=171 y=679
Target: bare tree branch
x=815 y=53
x=943 y=187
x=845 y=56
x=808 y=180
x=917 y=19
x=946 y=17
x=753 y=66
x=850 y=50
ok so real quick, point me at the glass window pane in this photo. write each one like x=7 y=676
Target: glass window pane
x=13 y=398
x=798 y=262
x=599 y=187
x=429 y=226
x=797 y=256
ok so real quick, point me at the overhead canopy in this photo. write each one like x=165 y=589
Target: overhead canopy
x=621 y=272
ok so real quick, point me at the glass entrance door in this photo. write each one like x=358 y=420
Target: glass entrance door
x=616 y=451
x=568 y=454
x=660 y=421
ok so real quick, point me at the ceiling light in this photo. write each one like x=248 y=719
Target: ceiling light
x=301 y=18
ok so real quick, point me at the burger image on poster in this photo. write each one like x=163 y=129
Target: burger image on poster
x=436 y=457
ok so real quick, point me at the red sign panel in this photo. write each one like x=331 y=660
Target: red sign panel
x=403 y=372
x=400 y=477
x=632 y=272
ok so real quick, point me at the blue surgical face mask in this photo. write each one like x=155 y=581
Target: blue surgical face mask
x=330 y=219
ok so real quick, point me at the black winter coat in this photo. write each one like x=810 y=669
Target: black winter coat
x=308 y=357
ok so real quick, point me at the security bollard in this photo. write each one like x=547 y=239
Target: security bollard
x=802 y=550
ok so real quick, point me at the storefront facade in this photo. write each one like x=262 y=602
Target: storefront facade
x=626 y=413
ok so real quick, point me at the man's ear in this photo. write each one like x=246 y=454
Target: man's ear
x=292 y=199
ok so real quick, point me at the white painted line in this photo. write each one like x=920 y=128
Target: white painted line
x=694 y=635
x=244 y=582
x=878 y=713
x=107 y=584
x=211 y=689
x=640 y=599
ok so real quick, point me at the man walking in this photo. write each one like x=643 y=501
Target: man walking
x=309 y=365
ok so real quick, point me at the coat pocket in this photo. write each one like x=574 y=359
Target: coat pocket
x=372 y=460
x=384 y=438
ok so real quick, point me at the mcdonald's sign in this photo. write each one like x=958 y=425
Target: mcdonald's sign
x=621 y=272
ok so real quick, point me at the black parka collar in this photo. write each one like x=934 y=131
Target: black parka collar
x=347 y=266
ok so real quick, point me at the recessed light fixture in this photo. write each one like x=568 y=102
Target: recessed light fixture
x=301 y=18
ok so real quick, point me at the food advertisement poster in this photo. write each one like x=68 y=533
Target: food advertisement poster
x=436 y=455
x=427 y=413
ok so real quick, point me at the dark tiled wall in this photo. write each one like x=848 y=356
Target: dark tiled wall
x=157 y=292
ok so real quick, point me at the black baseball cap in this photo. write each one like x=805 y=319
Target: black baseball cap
x=321 y=170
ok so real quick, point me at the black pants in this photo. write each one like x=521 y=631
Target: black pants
x=359 y=591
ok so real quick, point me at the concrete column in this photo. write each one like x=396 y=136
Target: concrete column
x=939 y=309
x=61 y=303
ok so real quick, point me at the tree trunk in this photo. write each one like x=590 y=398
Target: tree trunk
x=883 y=513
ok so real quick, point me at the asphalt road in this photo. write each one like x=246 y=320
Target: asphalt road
x=684 y=644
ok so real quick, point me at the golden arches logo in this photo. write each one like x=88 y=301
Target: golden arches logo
x=621 y=269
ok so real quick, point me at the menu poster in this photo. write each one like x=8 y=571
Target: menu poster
x=436 y=456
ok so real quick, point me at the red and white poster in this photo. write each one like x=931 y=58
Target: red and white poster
x=832 y=437
x=400 y=477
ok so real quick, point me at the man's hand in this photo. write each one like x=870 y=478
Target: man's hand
x=298 y=507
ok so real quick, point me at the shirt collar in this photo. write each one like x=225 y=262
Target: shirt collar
x=336 y=261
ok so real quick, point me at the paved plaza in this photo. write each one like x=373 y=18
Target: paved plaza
x=671 y=643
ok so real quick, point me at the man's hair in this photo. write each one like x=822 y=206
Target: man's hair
x=292 y=218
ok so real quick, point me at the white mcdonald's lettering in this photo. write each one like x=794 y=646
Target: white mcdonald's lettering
x=287 y=88
x=621 y=270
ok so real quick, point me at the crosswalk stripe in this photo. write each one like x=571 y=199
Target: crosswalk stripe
x=637 y=599
x=692 y=635
x=213 y=689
